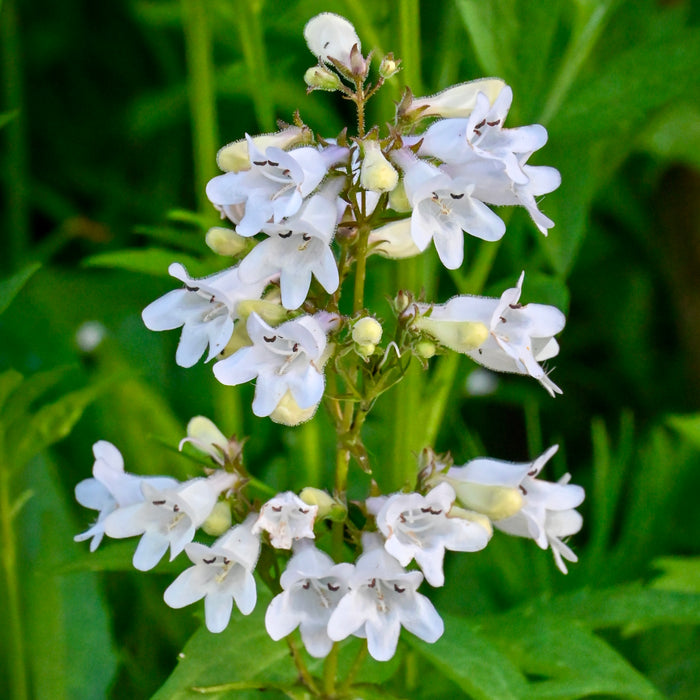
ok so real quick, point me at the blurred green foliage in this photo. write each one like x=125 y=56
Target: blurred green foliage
x=100 y=102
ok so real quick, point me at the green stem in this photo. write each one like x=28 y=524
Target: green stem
x=301 y=667
x=356 y=666
x=577 y=51
x=200 y=84
x=16 y=660
x=253 y=44
x=330 y=671
x=16 y=178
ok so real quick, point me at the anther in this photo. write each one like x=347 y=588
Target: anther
x=456 y=196
x=306 y=585
x=158 y=503
x=209 y=561
x=191 y=289
x=372 y=583
x=270 y=340
x=285 y=235
x=273 y=164
x=277 y=509
x=398 y=588
x=522 y=488
x=333 y=588
x=306 y=236
x=259 y=162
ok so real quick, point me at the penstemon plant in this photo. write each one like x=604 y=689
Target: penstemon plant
x=309 y=212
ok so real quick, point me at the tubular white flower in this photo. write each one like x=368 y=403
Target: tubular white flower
x=519 y=337
x=312 y=584
x=457 y=100
x=377 y=173
x=222 y=574
x=519 y=503
x=286 y=518
x=205 y=308
x=275 y=186
x=419 y=527
x=331 y=36
x=297 y=248
x=167 y=517
x=443 y=207
x=234 y=157
x=203 y=434
x=381 y=599
x=286 y=358
x=394 y=240
x=111 y=488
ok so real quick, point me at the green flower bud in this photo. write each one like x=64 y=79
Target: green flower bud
x=218 y=521
x=318 y=78
x=367 y=331
x=377 y=173
x=225 y=241
x=459 y=336
x=425 y=349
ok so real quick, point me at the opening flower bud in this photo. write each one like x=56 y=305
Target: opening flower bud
x=318 y=78
x=377 y=173
x=456 y=101
x=389 y=66
x=224 y=241
x=496 y=502
x=394 y=240
x=367 y=331
x=218 y=521
x=459 y=336
x=328 y=507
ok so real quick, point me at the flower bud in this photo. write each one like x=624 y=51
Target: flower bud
x=219 y=520
x=460 y=336
x=394 y=240
x=224 y=241
x=328 y=507
x=402 y=301
x=204 y=436
x=367 y=331
x=471 y=516
x=318 y=78
x=455 y=101
x=425 y=349
x=377 y=173
x=389 y=66
x=287 y=411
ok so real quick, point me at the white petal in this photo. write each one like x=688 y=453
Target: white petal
x=217 y=611
x=150 y=550
x=423 y=620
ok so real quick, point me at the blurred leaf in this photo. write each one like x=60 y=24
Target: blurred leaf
x=679 y=574
x=9 y=381
x=675 y=134
x=50 y=423
x=10 y=287
x=7 y=117
x=71 y=651
x=688 y=426
x=150 y=261
x=242 y=652
x=471 y=661
x=113 y=556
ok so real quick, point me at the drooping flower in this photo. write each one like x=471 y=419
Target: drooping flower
x=167 y=517
x=205 y=308
x=286 y=358
x=382 y=598
x=286 y=518
x=297 y=248
x=222 y=574
x=313 y=585
x=519 y=503
x=420 y=527
x=443 y=208
x=519 y=337
x=111 y=488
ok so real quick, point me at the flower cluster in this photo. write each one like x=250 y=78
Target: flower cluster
x=307 y=212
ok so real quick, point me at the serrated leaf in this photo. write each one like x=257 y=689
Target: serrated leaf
x=471 y=661
x=149 y=261
x=10 y=287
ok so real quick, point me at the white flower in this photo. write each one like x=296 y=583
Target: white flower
x=457 y=100
x=394 y=240
x=275 y=186
x=381 y=599
x=167 y=517
x=519 y=503
x=205 y=308
x=419 y=527
x=286 y=358
x=297 y=248
x=234 y=157
x=331 y=36
x=221 y=574
x=482 y=136
x=111 y=488
x=312 y=587
x=286 y=518
x=443 y=207
x=519 y=337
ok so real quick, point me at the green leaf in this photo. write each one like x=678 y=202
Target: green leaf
x=10 y=287
x=50 y=423
x=471 y=661
x=69 y=643
x=150 y=261
x=688 y=426
x=679 y=574
x=242 y=653
x=9 y=381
